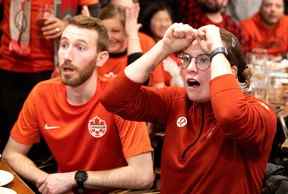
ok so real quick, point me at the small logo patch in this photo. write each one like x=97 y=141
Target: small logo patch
x=181 y=121
x=97 y=127
x=48 y=127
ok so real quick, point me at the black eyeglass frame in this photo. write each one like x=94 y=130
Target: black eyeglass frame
x=202 y=61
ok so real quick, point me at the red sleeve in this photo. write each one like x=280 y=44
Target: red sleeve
x=133 y=102
x=243 y=118
x=134 y=137
x=25 y=130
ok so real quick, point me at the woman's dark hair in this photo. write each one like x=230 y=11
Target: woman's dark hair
x=149 y=12
x=235 y=56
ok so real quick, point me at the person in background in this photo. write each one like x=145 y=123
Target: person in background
x=27 y=51
x=156 y=19
x=125 y=42
x=203 y=12
x=102 y=150
x=212 y=127
x=267 y=29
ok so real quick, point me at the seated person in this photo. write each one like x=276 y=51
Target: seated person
x=267 y=29
x=86 y=141
x=212 y=127
x=125 y=42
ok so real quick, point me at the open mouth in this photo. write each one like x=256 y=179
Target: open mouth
x=193 y=83
x=68 y=69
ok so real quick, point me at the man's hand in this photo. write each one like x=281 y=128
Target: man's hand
x=209 y=38
x=57 y=183
x=53 y=27
x=178 y=37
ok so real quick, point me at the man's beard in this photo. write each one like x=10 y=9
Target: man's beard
x=209 y=8
x=82 y=75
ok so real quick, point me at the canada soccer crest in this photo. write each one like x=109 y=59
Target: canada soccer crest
x=97 y=127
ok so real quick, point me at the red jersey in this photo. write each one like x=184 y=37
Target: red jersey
x=197 y=18
x=80 y=137
x=221 y=146
x=258 y=35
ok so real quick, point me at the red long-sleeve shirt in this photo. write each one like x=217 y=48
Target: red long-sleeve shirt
x=221 y=146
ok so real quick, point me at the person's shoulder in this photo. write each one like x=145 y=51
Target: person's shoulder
x=47 y=86
x=145 y=37
x=284 y=21
x=262 y=105
x=146 y=41
x=249 y=20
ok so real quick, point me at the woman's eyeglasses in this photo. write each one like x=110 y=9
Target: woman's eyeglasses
x=202 y=61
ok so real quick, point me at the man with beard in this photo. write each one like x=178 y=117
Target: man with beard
x=267 y=29
x=94 y=149
x=202 y=12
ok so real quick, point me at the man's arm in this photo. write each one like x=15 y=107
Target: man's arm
x=137 y=175
x=15 y=154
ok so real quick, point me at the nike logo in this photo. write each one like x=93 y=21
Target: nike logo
x=46 y=126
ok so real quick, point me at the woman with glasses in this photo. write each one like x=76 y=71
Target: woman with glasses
x=218 y=138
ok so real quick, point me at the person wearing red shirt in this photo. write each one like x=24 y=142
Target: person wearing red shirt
x=267 y=29
x=213 y=128
x=125 y=42
x=83 y=136
x=203 y=12
x=27 y=50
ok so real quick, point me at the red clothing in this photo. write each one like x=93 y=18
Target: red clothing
x=115 y=65
x=197 y=18
x=258 y=35
x=42 y=50
x=80 y=137
x=201 y=149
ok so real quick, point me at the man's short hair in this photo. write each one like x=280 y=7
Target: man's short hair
x=92 y=23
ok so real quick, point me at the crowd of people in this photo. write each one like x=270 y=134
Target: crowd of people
x=85 y=81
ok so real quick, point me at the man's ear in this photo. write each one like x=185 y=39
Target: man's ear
x=102 y=57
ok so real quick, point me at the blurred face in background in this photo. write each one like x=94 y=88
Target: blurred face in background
x=159 y=23
x=117 y=35
x=271 y=11
x=212 y=6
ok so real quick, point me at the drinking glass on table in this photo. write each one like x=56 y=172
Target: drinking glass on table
x=260 y=73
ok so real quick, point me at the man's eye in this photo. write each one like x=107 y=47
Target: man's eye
x=64 y=45
x=81 y=48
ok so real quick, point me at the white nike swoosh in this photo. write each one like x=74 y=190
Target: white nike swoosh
x=46 y=126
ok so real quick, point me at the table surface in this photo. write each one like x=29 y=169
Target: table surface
x=17 y=184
